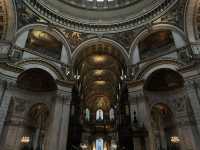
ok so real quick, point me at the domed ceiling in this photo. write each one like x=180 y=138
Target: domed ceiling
x=100 y=15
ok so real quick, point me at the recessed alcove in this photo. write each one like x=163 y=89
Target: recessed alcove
x=37 y=80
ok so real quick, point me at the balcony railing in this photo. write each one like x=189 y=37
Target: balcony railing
x=187 y=54
x=184 y=55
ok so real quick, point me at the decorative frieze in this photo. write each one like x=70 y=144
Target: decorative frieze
x=197 y=20
x=3 y=18
x=67 y=22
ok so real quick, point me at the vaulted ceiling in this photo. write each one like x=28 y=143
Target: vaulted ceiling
x=100 y=73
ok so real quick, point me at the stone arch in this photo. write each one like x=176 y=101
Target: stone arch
x=164 y=103
x=146 y=70
x=161 y=98
x=160 y=113
x=8 y=22
x=41 y=104
x=22 y=35
x=41 y=64
x=89 y=42
x=191 y=15
x=36 y=80
x=153 y=29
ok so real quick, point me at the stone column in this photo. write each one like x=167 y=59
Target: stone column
x=133 y=106
x=65 y=123
x=5 y=97
x=58 y=130
x=133 y=100
x=140 y=105
x=189 y=138
x=193 y=92
x=14 y=130
x=137 y=143
x=146 y=112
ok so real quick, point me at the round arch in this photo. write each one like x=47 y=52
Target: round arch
x=36 y=80
x=155 y=28
x=165 y=104
x=190 y=19
x=43 y=108
x=22 y=34
x=158 y=64
x=10 y=19
x=93 y=41
x=163 y=80
x=40 y=64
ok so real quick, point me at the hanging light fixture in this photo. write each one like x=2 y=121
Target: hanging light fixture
x=83 y=146
x=25 y=139
x=175 y=139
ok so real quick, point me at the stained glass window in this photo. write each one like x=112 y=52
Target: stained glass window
x=99 y=144
x=87 y=114
x=99 y=114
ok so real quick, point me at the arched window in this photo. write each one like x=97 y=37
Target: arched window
x=99 y=114
x=87 y=114
x=112 y=114
x=99 y=144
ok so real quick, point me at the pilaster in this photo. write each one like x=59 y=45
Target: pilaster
x=193 y=91
x=58 y=130
x=6 y=96
x=139 y=104
x=186 y=125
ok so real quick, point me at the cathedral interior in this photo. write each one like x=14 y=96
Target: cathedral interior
x=99 y=75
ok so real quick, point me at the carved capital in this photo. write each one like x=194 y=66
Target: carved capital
x=179 y=104
x=184 y=121
x=20 y=105
x=65 y=96
x=136 y=96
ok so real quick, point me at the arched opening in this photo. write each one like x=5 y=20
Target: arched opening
x=44 y=43
x=35 y=131
x=100 y=69
x=157 y=42
x=99 y=115
x=99 y=144
x=87 y=114
x=36 y=80
x=164 y=80
x=164 y=128
x=159 y=88
x=40 y=39
x=27 y=130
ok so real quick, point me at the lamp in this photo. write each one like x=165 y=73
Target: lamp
x=83 y=145
x=114 y=145
x=175 y=139
x=25 y=139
